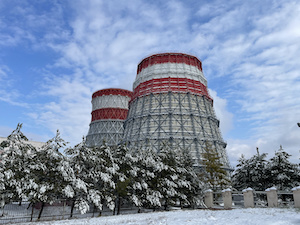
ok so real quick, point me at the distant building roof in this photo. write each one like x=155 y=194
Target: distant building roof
x=36 y=144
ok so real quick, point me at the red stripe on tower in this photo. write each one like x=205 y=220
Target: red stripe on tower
x=169 y=58
x=112 y=91
x=178 y=85
x=109 y=114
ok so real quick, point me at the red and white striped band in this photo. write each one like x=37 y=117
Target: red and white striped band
x=112 y=91
x=169 y=58
x=163 y=85
x=109 y=113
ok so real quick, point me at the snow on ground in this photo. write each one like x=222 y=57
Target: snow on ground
x=257 y=216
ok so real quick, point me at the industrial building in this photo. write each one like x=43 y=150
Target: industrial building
x=170 y=106
x=109 y=111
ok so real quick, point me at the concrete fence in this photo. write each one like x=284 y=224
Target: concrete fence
x=249 y=199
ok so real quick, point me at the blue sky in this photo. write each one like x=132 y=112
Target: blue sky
x=55 y=54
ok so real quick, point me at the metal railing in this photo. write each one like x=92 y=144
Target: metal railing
x=16 y=212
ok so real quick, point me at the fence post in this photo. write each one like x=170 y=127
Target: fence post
x=248 y=198
x=296 y=195
x=272 y=197
x=227 y=198
x=208 y=198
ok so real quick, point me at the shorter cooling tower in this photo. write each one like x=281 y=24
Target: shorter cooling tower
x=109 y=111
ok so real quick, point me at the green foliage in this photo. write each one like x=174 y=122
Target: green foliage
x=281 y=172
x=260 y=174
x=15 y=171
x=213 y=172
x=99 y=175
x=51 y=172
x=251 y=173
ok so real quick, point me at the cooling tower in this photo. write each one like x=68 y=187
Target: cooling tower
x=109 y=111
x=171 y=106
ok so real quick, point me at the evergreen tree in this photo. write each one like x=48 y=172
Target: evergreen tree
x=82 y=160
x=104 y=175
x=145 y=192
x=240 y=178
x=167 y=179
x=15 y=172
x=190 y=186
x=213 y=171
x=95 y=170
x=126 y=176
x=252 y=173
x=53 y=175
x=283 y=174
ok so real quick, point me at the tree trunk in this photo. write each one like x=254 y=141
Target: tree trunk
x=29 y=205
x=114 y=212
x=119 y=205
x=3 y=211
x=166 y=204
x=94 y=209
x=40 y=214
x=72 y=208
x=32 y=208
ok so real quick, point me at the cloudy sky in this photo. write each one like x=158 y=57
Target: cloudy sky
x=55 y=54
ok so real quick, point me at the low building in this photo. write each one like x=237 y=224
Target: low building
x=36 y=144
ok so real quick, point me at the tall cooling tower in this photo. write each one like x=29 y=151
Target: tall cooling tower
x=171 y=106
x=109 y=111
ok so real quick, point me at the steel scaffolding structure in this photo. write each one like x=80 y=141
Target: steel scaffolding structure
x=171 y=106
x=109 y=111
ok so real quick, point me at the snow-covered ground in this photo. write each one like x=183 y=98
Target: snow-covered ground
x=257 y=216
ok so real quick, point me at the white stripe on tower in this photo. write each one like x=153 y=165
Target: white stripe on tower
x=164 y=70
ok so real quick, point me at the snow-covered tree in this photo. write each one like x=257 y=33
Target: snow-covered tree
x=95 y=170
x=190 y=186
x=52 y=173
x=81 y=159
x=145 y=192
x=282 y=173
x=104 y=173
x=126 y=176
x=251 y=173
x=240 y=177
x=15 y=172
x=167 y=179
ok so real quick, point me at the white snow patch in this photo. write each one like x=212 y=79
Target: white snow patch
x=225 y=190
x=296 y=188
x=271 y=189
x=254 y=216
x=247 y=189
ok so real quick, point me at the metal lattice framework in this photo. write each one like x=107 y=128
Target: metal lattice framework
x=171 y=106
x=109 y=111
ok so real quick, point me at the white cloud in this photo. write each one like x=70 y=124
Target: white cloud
x=107 y=44
x=222 y=113
x=8 y=93
x=261 y=70
x=250 y=54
